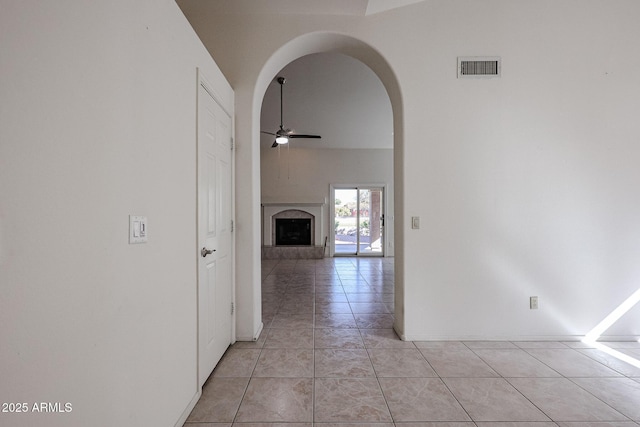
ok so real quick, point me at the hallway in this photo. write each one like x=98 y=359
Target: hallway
x=328 y=355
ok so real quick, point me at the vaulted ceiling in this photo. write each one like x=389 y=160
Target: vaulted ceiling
x=299 y=7
x=331 y=95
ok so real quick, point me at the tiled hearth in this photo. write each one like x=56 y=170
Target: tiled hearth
x=292 y=252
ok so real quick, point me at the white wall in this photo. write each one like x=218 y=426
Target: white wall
x=299 y=174
x=97 y=122
x=525 y=185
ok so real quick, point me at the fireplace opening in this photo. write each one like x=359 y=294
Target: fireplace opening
x=293 y=231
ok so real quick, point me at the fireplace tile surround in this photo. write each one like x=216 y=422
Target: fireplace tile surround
x=313 y=211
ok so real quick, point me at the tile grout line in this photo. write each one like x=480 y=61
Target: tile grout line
x=361 y=334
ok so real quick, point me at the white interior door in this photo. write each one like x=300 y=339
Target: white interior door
x=215 y=289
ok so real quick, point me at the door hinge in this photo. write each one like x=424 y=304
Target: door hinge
x=232 y=225
x=233 y=308
x=232 y=142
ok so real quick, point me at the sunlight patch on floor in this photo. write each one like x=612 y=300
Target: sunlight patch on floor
x=592 y=337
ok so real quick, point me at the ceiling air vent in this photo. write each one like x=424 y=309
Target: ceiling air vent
x=479 y=66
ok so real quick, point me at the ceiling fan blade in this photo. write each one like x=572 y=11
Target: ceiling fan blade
x=288 y=133
x=268 y=133
x=297 y=135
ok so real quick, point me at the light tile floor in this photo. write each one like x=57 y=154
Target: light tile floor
x=328 y=356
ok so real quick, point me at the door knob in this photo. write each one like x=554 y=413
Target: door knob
x=204 y=252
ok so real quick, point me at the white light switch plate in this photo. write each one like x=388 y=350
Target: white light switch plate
x=137 y=229
x=415 y=222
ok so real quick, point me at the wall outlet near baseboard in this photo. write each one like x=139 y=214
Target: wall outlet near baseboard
x=533 y=303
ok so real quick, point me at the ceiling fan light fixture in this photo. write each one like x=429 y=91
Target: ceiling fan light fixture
x=283 y=135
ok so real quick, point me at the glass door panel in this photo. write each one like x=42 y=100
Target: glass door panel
x=346 y=221
x=358 y=221
x=371 y=219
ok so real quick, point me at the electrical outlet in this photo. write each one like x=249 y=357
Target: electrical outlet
x=533 y=303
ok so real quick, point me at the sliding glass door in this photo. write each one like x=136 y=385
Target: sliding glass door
x=358 y=221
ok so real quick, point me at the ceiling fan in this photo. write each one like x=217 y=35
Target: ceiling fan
x=283 y=135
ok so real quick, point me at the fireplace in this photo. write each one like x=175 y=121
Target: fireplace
x=293 y=227
x=293 y=231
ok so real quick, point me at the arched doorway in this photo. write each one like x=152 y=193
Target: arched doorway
x=330 y=42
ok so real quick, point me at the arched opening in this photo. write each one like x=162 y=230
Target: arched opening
x=322 y=42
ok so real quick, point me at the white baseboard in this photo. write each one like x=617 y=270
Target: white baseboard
x=252 y=338
x=568 y=338
x=188 y=409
